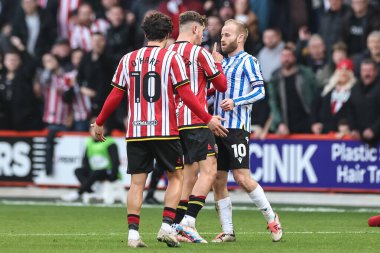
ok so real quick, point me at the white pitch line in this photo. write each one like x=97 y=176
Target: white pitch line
x=206 y=233
x=236 y=207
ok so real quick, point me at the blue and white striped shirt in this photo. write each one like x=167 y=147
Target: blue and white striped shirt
x=245 y=86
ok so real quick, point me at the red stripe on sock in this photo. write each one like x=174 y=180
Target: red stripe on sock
x=168 y=213
x=133 y=219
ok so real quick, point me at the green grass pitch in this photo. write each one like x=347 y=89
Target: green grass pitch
x=50 y=228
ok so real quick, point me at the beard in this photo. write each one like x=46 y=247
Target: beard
x=230 y=47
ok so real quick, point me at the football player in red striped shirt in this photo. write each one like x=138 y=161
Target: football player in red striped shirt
x=197 y=140
x=150 y=76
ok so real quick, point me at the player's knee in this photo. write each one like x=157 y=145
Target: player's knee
x=241 y=180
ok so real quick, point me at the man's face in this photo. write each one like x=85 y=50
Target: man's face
x=374 y=45
x=359 y=6
x=214 y=26
x=199 y=34
x=271 y=39
x=29 y=6
x=12 y=61
x=288 y=59
x=98 y=43
x=85 y=15
x=368 y=73
x=316 y=49
x=116 y=16
x=229 y=38
x=335 y=5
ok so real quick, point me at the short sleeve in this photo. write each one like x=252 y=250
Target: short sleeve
x=178 y=71
x=119 y=79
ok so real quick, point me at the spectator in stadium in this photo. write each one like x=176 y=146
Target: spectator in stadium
x=51 y=85
x=312 y=53
x=244 y=14
x=35 y=28
x=100 y=163
x=85 y=26
x=226 y=11
x=269 y=55
x=119 y=37
x=173 y=9
x=330 y=109
x=364 y=117
x=373 y=52
x=81 y=103
x=339 y=53
x=331 y=23
x=292 y=89
x=214 y=27
x=363 y=19
x=94 y=71
x=61 y=49
x=18 y=105
x=5 y=38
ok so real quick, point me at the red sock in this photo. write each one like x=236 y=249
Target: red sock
x=374 y=221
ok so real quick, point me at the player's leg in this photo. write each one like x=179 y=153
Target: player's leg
x=154 y=179
x=257 y=195
x=134 y=202
x=140 y=162
x=240 y=164
x=223 y=204
x=168 y=155
x=190 y=176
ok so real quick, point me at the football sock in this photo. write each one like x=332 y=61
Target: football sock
x=195 y=205
x=258 y=197
x=181 y=211
x=168 y=215
x=133 y=225
x=224 y=209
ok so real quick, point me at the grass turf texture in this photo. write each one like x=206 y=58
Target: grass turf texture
x=36 y=228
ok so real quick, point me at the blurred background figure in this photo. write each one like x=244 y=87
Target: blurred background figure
x=364 y=117
x=330 y=109
x=372 y=52
x=269 y=55
x=212 y=34
x=100 y=163
x=339 y=53
x=292 y=89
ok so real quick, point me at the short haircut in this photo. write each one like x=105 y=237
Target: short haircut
x=192 y=16
x=374 y=34
x=275 y=30
x=315 y=37
x=340 y=46
x=289 y=46
x=157 y=26
x=369 y=61
x=242 y=28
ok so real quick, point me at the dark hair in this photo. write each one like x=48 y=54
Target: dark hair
x=368 y=61
x=157 y=26
x=289 y=46
x=192 y=16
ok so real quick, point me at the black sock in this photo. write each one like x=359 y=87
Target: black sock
x=195 y=205
x=181 y=210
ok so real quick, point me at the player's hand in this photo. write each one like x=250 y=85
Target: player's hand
x=216 y=127
x=227 y=104
x=97 y=132
x=218 y=58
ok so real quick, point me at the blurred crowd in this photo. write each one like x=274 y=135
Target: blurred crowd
x=320 y=60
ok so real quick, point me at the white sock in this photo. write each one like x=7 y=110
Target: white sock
x=224 y=208
x=188 y=221
x=133 y=235
x=258 y=197
x=166 y=227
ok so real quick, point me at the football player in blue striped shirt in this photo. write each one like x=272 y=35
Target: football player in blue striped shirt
x=245 y=86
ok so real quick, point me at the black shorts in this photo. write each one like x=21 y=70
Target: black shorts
x=197 y=144
x=140 y=155
x=233 y=150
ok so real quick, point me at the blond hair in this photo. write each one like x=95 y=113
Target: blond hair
x=242 y=28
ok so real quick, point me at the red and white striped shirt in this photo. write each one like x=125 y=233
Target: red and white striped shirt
x=81 y=105
x=64 y=9
x=200 y=68
x=55 y=110
x=150 y=76
x=81 y=35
